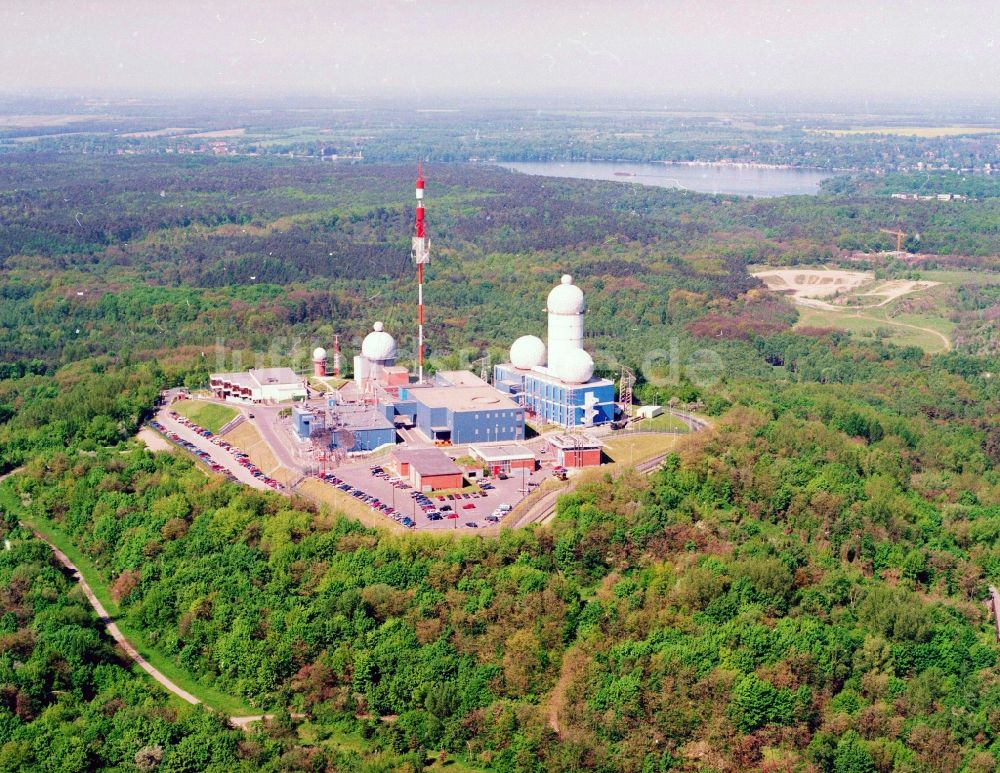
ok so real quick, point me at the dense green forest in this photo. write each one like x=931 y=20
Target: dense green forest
x=798 y=588
x=120 y=256
x=799 y=585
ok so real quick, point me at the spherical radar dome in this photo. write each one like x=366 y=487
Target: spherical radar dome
x=575 y=367
x=527 y=352
x=566 y=298
x=319 y=353
x=378 y=345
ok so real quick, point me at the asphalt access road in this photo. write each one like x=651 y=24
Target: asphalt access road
x=218 y=455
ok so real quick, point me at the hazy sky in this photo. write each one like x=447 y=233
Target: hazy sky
x=430 y=48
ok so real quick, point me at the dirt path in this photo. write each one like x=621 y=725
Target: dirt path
x=112 y=627
x=240 y=723
x=153 y=441
x=557 y=700
x=15 y=471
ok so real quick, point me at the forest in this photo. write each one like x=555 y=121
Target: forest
x=799 y=587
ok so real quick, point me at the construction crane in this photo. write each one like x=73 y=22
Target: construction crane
x=898 y=233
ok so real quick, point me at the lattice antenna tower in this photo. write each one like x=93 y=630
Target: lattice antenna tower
x=625 y=391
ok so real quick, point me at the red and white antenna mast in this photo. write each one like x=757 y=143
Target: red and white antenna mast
x=421 y=255
x=336 y=356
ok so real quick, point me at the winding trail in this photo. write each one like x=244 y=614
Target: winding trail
x=240 y=723
x=112 y=627
x=944 y=339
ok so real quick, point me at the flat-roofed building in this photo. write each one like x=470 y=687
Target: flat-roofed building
x=360 y=428
x=505 y=458
x=427 y=469
x=575 y=451
x=464 y=410
x=258 y=385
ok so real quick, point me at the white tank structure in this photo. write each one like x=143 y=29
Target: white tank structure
x=566 y=307
x=319 y=361
x=527 y=352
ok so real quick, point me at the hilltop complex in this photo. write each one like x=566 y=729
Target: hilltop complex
x=554 y=383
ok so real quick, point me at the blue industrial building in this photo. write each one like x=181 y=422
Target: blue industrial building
x=368 y=427
x=461 y=408
x=555 y=401
x=306 y=423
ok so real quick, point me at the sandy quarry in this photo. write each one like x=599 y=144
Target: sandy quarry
x=813 y=283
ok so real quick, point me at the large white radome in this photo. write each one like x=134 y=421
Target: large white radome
x=566 y=298
x=527 y=352
x=319 y=353
x=574 y=366
x=378 y=345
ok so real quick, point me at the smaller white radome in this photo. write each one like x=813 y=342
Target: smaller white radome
x=378 y=345
x=566 y=298
x=527 y=352
x=319 y=353
x=575 y=367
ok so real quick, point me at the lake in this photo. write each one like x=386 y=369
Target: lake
x=760 y=182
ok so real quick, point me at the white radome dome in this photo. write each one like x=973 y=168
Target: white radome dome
x=566 y=298
x=378 y=345
x=575 y=367
x=527 y=352
x=319 y=353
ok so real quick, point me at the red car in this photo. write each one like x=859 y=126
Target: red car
x=469 y=506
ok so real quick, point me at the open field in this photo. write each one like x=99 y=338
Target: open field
x=170 y=130
x=962 y=277
x=630 y=449
x=30 y=121
x=218 y=134
x=812 y=283
x=211 y=416
x=904 y=330
x=666 y=422
x=912 y=131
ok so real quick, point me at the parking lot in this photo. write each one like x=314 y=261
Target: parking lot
x=433 y=512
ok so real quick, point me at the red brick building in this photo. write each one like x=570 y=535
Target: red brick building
x=427 y=469
x=576 y=451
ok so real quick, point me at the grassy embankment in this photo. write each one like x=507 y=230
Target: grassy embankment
x=211 y=416
x=247 y=438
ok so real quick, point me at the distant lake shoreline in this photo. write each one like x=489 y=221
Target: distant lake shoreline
x=729 y=178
